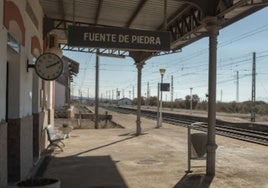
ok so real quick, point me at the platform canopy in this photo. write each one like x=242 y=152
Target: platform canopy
x=184 y=19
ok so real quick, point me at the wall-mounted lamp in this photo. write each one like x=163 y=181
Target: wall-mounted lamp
x=53 y=45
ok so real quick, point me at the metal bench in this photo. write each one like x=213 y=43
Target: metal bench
x=54 y=138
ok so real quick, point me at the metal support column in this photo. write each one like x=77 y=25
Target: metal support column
x=139 y=58
x=213 y=29
x=161 y=102
x=97 y=92
x=158 y=105
x=139 y=66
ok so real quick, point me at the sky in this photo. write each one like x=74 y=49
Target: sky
x=189 y=68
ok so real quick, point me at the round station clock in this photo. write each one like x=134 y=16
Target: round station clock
x=49 y=66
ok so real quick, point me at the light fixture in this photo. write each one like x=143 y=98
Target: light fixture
x=53 y=45
x=162 y=71
x=159 y=121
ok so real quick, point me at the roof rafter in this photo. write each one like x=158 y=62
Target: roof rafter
x=135 y=13
x=176 y=15
x=61 y=9
x=186 y=22
x=98 y=12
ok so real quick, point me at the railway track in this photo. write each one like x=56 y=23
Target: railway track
x=228 y=129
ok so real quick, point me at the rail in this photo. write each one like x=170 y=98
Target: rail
x=226 y=129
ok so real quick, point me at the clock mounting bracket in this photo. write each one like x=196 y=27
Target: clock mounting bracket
x=29 y=65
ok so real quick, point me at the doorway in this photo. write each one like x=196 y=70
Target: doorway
x=12 y=116
x=7 y=84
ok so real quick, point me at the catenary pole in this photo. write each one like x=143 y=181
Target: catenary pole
x=97 y=92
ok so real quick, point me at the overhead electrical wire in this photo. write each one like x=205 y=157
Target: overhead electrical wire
x=225 y=65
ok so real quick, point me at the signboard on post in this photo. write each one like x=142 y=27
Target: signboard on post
x=118 y=38
x=165 y=87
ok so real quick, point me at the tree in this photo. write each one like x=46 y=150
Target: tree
x=195 y=100
x=135 y=101
x=153 y=101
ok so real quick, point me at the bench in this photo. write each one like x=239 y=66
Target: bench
x=54 y=138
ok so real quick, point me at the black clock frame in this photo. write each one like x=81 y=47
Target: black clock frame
x=34 y=66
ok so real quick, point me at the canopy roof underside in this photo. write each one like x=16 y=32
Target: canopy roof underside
x=186 y=20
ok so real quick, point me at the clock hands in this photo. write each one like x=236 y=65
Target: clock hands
x=52 y=64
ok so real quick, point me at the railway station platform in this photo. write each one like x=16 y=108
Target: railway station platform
x=116 y=158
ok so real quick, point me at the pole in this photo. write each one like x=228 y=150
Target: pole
x=172 y=92
x=133 y=92
x=191 y=100
x=139 y=66
x=253 y=91
x=97 y=92
x=161 y=104
x=189 y=150
x=212 y=27
x=148 y=94
x=80 y=101
x=237 y=86
x=221 y=95
x=158 y=105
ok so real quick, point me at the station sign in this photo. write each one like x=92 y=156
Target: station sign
x=118 y=38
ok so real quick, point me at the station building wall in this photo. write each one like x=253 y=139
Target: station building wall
x=60 y=100
x=22 y=110
x=3 y=34
x=3 y=123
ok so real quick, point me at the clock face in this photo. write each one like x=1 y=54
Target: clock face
x=49 y=66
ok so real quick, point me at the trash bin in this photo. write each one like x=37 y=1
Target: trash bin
x=198 y=145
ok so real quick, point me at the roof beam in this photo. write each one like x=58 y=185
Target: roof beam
x=62 y=13
x=186 y=25
x=98 y=12
x=135 y=13
x=175 y=16
x=208 y=7
x=61 y=9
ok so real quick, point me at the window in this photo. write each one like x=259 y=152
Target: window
x=13 y=44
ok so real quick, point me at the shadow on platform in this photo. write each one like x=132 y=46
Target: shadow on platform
x=194 y=181
x=105 y=145
x=83 y=171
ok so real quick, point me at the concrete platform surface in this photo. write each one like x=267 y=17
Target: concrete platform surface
x=116 y=158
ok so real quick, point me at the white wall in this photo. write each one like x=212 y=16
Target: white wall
x=3 y=35
x=25 y=85
x=59 y=95
x=1 y=12
x=3 y=126
x=3 y=60
x=125 y=102
x=33 y=31
x=20 y=87
x=38 y=11
x=13 y=84
x=49 y=91
x=36 y=94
